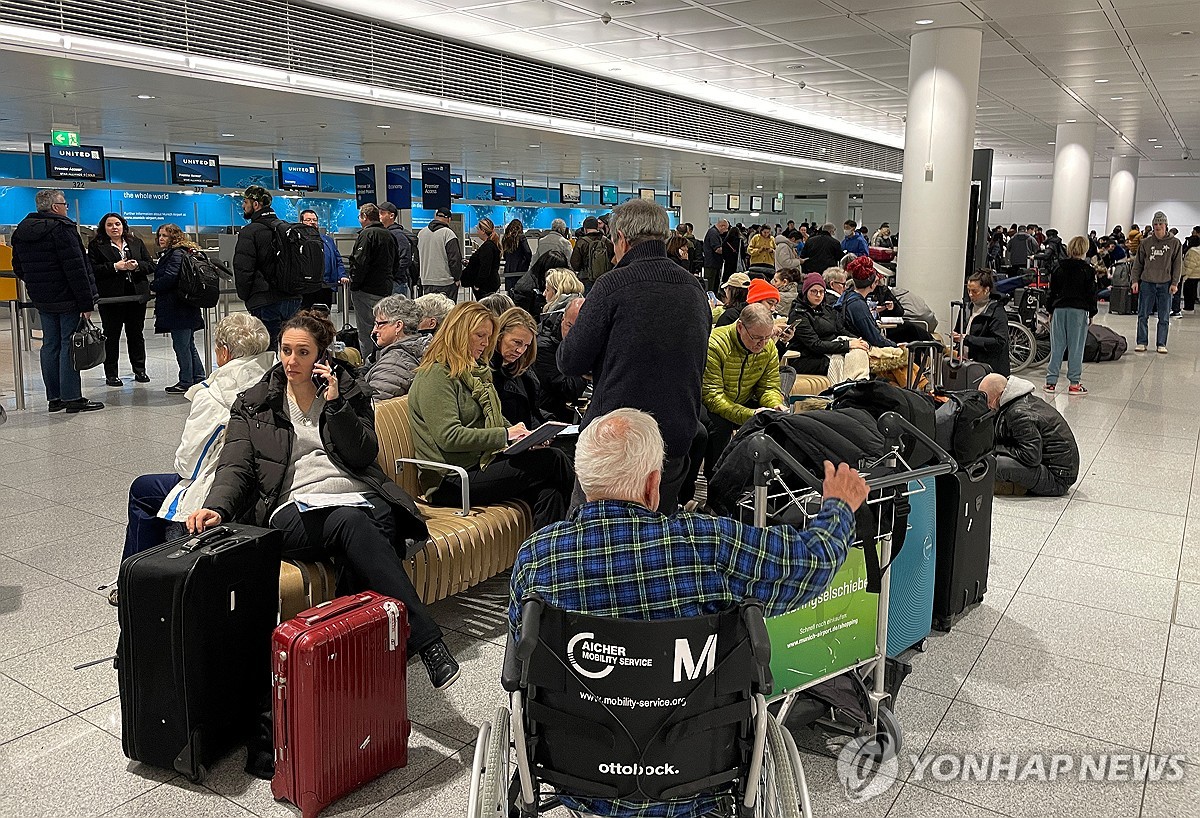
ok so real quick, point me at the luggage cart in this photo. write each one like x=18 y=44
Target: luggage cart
x=845 y=633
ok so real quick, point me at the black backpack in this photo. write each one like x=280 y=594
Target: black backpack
x=299 y=259
x=966 y=427
x=200 y=279
x=877 y=397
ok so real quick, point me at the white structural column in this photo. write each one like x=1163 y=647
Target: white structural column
x=381 y=154
x=1122 y=191
x=695 y=190
x=837 y=207
x=935 y=195
x=1071 y=196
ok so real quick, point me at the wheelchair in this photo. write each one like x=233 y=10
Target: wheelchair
x=667 y=710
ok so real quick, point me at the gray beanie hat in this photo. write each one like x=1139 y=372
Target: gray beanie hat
x=1159 y=218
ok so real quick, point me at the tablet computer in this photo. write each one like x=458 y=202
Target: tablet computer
x=547 y=431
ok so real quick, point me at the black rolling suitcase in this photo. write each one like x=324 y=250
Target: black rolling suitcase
x=964 y=538
x=193 y=659
x=1121 y=301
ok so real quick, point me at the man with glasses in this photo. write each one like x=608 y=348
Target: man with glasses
x=48 y=256
x=741 y=377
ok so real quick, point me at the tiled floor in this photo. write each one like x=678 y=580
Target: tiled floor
x=1088 y=642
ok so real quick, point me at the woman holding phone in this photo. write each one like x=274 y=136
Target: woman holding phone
x=457 y=419
x=303 y=433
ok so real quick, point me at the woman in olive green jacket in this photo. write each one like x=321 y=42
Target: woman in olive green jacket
x=456 y=419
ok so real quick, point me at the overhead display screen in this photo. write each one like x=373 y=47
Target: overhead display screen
x=609 y=195
x=399 y=185
x=84 y=162
x=756 y=204
x=676 y=199
x=456 y=186
x=570 y=193
x=299 y=175
x=364 y=185
x=646 y=193
x=195 y=169
x=777 y=203
x=504 y=190
x=734 y=202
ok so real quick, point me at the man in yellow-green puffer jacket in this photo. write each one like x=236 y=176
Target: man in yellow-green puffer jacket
x=741 y=377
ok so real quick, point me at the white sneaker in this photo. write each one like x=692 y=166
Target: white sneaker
x=1162 y=350
x=1140 y=348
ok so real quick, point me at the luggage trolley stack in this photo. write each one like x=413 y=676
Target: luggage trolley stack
x=845 y=630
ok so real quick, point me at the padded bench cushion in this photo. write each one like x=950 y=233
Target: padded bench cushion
x=810 y=385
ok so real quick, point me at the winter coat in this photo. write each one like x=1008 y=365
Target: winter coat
x=1191 y=263
x=519 y=394
x=254 y=262
x=204 y=432
x=762 y=249
x=821 y=252
x=257 y=457
x=987 y=337
x=374 y=261
x=1073 y=286
x=404 y=250
x=392 y=369
x=172 y=313
x=785 y=254
x=114 y=283
x=737 y=381
x=1033 y=433
x=48 y=256
x=335 y=268
x=856 y=314
x=519 y=259
x=730 y=314
x=482 y=273
x=558 y=392
x=1021 y=248
x=552 y=242
x=818 y=335
x=581 y=256
x=529 y=294
x=440 y=253
x=855 y=243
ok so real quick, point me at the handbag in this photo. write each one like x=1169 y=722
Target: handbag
x=87 y=346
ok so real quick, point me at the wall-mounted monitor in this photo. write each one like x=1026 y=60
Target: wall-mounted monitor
x=733 y=202
x=299 y=175
x=570 y=193
x=82 y=162
x=609 y=195
x=456 y=186
x=712 y=201
x=195 y=169
x=777 y=203
x=756 y=204
x=646 y=193
x=676 y=199
x=504 y=190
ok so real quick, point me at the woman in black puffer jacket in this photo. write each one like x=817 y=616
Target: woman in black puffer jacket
x=820 y=331
x=517 y=386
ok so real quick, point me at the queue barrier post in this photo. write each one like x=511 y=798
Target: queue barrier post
x=14 y=319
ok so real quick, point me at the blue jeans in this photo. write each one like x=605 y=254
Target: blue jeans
x=1152 y=296
x=273 y=315
x=1068 y=334
x=146 y=529
x=191 y=368
x=61 y=380
x=400 y=288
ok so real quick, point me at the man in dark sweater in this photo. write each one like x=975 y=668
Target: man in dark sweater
x=374 y=264
x=822 y=251
x=642 y=334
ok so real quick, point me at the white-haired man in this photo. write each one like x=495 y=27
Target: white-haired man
x=618 y=557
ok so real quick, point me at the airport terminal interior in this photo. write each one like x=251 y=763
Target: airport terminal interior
x=942 y=120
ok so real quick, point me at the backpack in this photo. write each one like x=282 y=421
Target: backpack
x=596 y=260
x=1121 y=274
x=200 y=279
x=966 y=427
x=915 y=306
x=876 y=397
x=299 y=259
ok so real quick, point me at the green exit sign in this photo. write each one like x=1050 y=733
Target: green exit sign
x=64 y=139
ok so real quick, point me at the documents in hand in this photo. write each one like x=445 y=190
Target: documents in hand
x=311 y=502
x=547 y=431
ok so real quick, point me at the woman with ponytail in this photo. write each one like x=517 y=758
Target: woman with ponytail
x=482 y=272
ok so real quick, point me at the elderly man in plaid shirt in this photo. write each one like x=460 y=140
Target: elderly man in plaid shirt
x=617 y=557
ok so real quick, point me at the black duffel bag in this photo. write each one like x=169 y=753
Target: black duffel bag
x=966 y=426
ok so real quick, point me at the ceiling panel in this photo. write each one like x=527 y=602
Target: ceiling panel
x=531 y=13
x=765 y=12
x=903 y=20
x=1057 y=23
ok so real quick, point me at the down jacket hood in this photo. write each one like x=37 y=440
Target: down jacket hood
x=1017 y=387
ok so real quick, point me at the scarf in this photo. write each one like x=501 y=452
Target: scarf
x=479 y=380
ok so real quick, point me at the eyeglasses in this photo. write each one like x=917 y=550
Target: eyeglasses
x=758 y=339
x=385 y=323
x=60 y=204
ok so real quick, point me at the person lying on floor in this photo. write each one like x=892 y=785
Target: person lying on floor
x=1036 y=452
x=159 y=504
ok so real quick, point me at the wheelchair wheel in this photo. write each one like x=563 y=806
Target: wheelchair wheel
x=1022 y=345
x=491 y=770
x=1043 y=349
x=782 y=789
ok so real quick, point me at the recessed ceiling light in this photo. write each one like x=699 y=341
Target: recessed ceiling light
x=615 y=68
x=591 y=171
x=623 y=3
x=384 y=127
x=1114 y=99
x=145 y=96
x=795 y=66
x=228 y=135
x=1181 y=33
x=1049 y=143
x=758 y=187
x=535 y=146
x=1070 y=121
x=820 y=180
x=1152 y=139
x=925 y=22
x=504 y=162
x=1158 y=147
x=1100 y=81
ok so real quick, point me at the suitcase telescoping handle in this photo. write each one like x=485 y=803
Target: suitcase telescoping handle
x=334 y=608
x=201 y=540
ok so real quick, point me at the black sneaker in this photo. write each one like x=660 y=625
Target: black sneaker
x=443 y=670
x=141 y=377
x=82 y=405
x=177 y=389
x=56 y=405
x=113 y=382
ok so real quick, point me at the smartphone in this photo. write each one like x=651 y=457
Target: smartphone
x=320 y=381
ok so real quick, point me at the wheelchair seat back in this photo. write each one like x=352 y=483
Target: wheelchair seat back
x=647 y=710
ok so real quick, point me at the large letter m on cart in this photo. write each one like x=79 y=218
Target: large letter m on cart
x=685 y=664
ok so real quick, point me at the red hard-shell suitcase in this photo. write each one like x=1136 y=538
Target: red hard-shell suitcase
x=340 y=703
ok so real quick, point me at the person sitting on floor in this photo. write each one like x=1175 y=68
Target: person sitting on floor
x=618 y=557
x=1036 y=452
x=456 y=419
x=307 y=431
x=399 y=347
x=741 y=377
x=159 y=504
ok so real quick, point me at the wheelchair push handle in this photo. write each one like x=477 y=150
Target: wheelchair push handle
x=531 y=618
